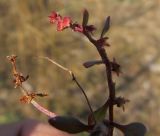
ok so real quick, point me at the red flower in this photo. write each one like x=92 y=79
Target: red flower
x=63 y=23
x=54 y=17
x=66 y=21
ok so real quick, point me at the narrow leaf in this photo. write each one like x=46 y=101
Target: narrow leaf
x=92 y=63
x=99 y=114
x=106 y=26
x=68 y=124
x=85 y=18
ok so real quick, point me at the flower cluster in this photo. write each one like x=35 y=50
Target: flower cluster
x=30 y=96
x=66 y=22
x=62 y=22
x=18 y=80
x=18 y=77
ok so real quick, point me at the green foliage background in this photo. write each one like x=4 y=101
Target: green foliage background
x=134 y=36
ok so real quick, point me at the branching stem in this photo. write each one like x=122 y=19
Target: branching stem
x=110 y=82
x=75 y=80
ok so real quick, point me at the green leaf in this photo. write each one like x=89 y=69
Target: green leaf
x=106 y=26
x=68 y=124
x=85 y=18
x=99 y=114
x=132 y=129
x=135 y=129
x=92 y=63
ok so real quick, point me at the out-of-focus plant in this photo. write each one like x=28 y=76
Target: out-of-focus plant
x=98 y=123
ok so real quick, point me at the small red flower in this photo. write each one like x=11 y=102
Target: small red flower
x=63 y=23
x=66 y=21
x=54 y=17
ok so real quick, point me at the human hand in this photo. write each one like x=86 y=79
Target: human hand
x=30 y=128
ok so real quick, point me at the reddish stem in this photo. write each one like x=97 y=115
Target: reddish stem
x=43 y=110
x=110 y=82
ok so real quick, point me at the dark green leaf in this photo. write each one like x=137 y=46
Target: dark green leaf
x=99 y=114
x=135 y=129
x=132 y=129
x=106 y=26
x=85 y=18
x=68 y=124
x=92 y=63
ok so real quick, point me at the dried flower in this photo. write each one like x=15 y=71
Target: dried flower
x=30 y=96
x=12 y=58
x=25 y=99
x=120 y=102
x=18 y=77
x=116 y=67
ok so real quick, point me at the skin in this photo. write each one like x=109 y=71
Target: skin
x=30 y=128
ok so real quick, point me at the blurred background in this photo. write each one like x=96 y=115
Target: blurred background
x=134 y=37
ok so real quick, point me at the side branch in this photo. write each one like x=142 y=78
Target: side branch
x=75 y=80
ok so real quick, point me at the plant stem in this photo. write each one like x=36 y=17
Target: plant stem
x=110 y=85
x=91 y=110
x=43 y=110
x=110 y=82
x=74 y=79
x=37 y=105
